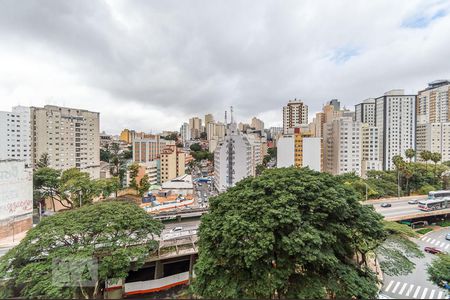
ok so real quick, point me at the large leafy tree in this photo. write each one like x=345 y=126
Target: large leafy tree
x=117 y=162
x=71 y=187
x=290 y=233
x=439 y=269
x=133 y=169
x=118 y=235
x=44 y=161
x=435 y=158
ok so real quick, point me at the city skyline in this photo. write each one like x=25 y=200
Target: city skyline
x=171 y=62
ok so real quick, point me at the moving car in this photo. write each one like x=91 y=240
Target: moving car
x=415 y=201
x=178 y=228
x=447 y=237
x=433 y=250
x=386 y=205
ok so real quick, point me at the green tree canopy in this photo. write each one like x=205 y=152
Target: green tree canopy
x=439 y=269
x=144 y=185
x=290 y=233
x=118 y=235
x=196 y=147
x=70 y=187
x=134 y=170
x=44 y=161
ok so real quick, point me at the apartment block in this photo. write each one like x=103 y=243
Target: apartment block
x=257 y=124
x=370 y=151
x=433 y=103
x=434 y=137
x=295 y=113
x=232 y=159
x=342 y=146
x=173 y=163
x=365 y=112
x=195 y=126
x=396 y=122
x=15 y=134
x=70 y=136
x=185 y=132
x=149 y=148
x=299 y=149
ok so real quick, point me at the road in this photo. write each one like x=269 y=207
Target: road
x=416 y=284
x=398 y=208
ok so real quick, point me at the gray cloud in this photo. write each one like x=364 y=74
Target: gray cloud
x=150 y=65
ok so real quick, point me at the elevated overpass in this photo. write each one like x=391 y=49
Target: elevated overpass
x=401 y=210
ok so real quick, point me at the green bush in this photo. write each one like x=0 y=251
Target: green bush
x=444 y=223
x=424 y=190
x=424 y=230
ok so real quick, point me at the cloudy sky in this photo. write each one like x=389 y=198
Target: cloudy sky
x=150 y=65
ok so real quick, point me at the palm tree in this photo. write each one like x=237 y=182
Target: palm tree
x=425 y=156
x=435 y=157
x=410 y=153
x=408 y=173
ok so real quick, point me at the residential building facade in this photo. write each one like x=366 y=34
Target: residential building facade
x=295 y=113
x=173 y=163
x=149 y=148
x=15 y=134
x=396 y=122
x=69 y=136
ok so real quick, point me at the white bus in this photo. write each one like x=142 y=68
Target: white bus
x=433 y=195
x=437 y=204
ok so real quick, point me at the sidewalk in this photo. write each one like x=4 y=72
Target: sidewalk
x=10 y=241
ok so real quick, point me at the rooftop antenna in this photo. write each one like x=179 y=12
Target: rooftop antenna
x=231 y=113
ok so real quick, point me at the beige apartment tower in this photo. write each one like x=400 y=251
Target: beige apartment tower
x=173 y=163
x=70 y=136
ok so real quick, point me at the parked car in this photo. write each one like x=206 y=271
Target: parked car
x=415 y=201
x=447 y=237
x=433 y=250
x=386 y=205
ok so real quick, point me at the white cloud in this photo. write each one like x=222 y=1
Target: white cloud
x=151 y=65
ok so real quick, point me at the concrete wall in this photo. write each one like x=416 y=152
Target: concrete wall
x=285 y=152
x=312 y=153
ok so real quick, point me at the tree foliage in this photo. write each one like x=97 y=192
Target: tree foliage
x=70 y=187
x=289 y=233
x=144 y=185
x=134 y=170
x=439 y=269
x=196 y=147
x=44 y=161
x=118 y=235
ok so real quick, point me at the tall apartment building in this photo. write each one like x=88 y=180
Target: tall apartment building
x=370 y=149
x=185 y=132
x=149 y=148
x=127 y=135
x=195 y=125
x=396 y=122
x=258 y=149
x=173 y=163
x=299 y=149
x=232 y=159
x=295 y=113
x=342 y=146
x=70 y=136
x=433 y=103
x=15 y=134
x=365 y=112
x=434 y=137
x=257 y=124
x=209 y=118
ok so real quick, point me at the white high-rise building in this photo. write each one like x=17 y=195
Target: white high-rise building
x=185 y=132
x=15 y=134
x=365 y=112
x=70 y=137
x=433 y=103
x=396 y=122
x=342 y=146
x=256 y=151
x=434 y=137
x=295 y=113
x=232 y=159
